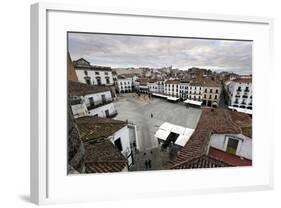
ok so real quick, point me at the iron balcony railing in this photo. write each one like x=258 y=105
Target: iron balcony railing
x=99 y=103
x=75 y=102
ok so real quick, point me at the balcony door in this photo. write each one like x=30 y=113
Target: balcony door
x=103 y=98
x=232 y=146
x=91 y=101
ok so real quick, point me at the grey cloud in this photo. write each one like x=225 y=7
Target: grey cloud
x=127 y=51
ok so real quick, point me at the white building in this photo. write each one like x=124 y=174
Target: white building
x=239 y=93
x=104 y=140
x=156 y=86
x=125 y=84
x=86 y=100
x=222 y=138
x=93 y=75
x=237 y=144
x=171 y=88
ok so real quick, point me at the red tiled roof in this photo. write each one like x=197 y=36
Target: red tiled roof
x=80 y=89
x=212 y=121
x=94 y=128
x=229 y=158
x=102 y=157
x=243 y=80
x=173 y=81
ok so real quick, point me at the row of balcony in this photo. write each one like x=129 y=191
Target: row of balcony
x=97 y=104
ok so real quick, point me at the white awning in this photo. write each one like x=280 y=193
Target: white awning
x=178 y=129
x=166 y=128
x=172 y=98
x=162 y=134
x=242 y=110
x=159 y=95
x=183 y=139
x=193 y=102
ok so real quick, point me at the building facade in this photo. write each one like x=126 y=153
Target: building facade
x=93 y=75
x=239 y=93
x=125 y=84
x=86 y=100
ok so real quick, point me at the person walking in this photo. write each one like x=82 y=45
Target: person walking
x=146 y=164
x=149 y=163
x=151 y=115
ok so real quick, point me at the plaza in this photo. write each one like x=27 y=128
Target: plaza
x=147 y=114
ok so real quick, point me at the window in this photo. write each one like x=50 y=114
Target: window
x=107 y=80
x=97 y=73
x=211 y=90
x=91 y=100
x=88 y=81
x=210 y=97
x=118 y=144
x=217 y=91
x=86 y=73
x=98 y=81
x=106 y=73
x=216 y=96
x=232 y=145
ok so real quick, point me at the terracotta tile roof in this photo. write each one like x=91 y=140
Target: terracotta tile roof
x=243 y=80
x=231 y=159
x=102 y=157
x=94 y=128
x=219 y=121
x=204 y=161
x=80 y=89
x=172 y=82
x=210 y=83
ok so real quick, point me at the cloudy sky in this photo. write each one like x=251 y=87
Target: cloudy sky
x=140 y=51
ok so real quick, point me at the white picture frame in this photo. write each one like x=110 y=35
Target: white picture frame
x=49 y=180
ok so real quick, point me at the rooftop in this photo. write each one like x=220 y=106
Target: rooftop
x=84 y=64
x=213 y=121
x=243 y=80
x=172 y=82
x=95 y=128
x=81 y=89
x=231 y=159
x=102 y=157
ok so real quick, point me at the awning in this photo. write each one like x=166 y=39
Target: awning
x=172 y=98
x=159 y=95
x=183 y=139
x=166 y=128
x=242 y=110
x=193 y=102
x=162 y=134
x=178 y=129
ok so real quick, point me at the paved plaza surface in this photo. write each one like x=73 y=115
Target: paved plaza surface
x=138 y=109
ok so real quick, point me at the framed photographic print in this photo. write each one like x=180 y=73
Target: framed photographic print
x=132 y=103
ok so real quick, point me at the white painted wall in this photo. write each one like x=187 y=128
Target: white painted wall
x=100 y=111
x=125 y=84
x=244 y=148
x=232 y=87
x=97 y=97
x=92 y=74
x=79 y=110
x=123 y=134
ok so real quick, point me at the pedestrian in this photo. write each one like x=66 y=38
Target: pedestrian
x=151 y=115
x=146 y=164
x=149 y=163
